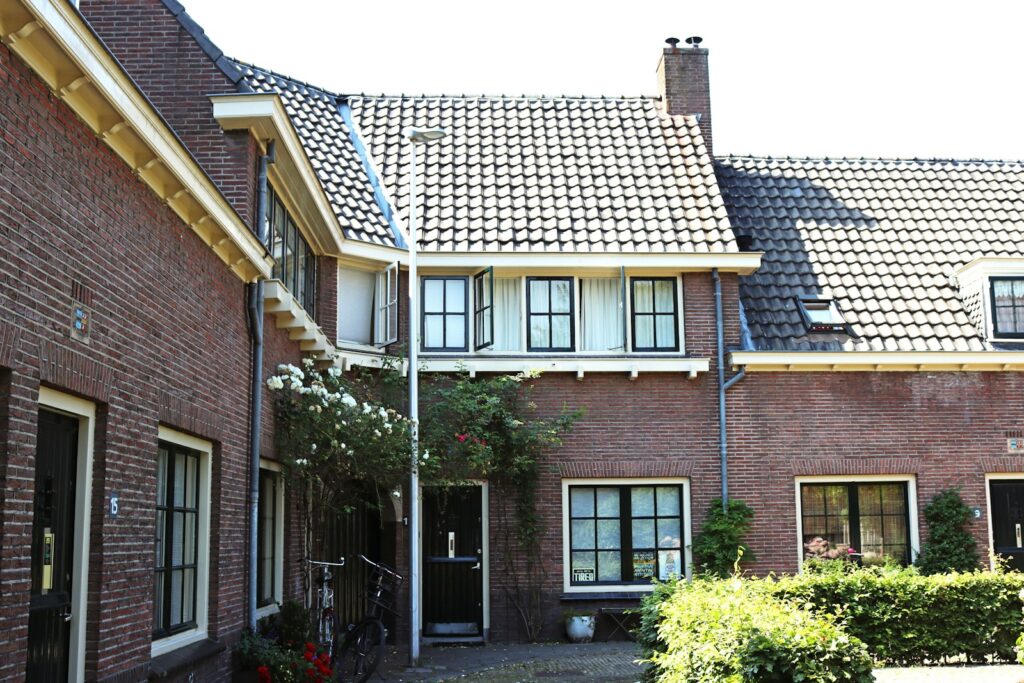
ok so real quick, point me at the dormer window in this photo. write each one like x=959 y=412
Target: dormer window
x=821 y=315
x=1008 y=307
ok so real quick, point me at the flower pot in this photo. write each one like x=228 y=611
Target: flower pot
x=580 y=629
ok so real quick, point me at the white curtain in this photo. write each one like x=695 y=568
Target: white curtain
x=506 y=314
x=601 y=314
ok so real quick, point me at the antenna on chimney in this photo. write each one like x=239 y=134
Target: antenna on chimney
x=694 y=41
x=673 y=42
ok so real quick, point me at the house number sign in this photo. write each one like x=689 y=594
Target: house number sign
x=115 y=504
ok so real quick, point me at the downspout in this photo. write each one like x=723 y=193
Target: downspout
x=723 y=386
x=254 y=308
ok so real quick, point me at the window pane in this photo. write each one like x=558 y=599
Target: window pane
x=643 y=331
x=583 y=567
x=837 y=499
x=188 y=595
x=668 y=533
x=456 y=331
x=582 y=534
x=664 y=296
x=609 y=566
x=161 y=529
x=177 y=538
x=176 y=597
x=191 y=481
x=538 y=296
x=433 y=296
x=608 y=534
x=666 y=329
x=895 y=530
x=668 y=500
x=581 y=501
x=540 y=329
x=643 y=296
x=870 y=497
x=561 y=297
x=812 y=500
x=1006 y=320
x=433 y=331
x=643 y=533
x=455 y=296
x=179 y=479
x=300 y=271
x=608 y=502
x=158 y=601
x=1003 y=291
x=1018 y=293
x=642 y=501
x=560 y=337
x=161 y=476
x=189 y=553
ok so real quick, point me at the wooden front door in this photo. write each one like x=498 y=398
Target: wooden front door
x=53 y=524
x=453 y=562
x=1008 y=521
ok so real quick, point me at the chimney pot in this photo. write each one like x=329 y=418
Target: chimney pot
x=672 y=42
x=694 y=41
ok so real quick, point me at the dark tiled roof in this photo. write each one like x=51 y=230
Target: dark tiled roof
x=318 y=120
x=884 y=237
x=550 y=174
x=228 y=66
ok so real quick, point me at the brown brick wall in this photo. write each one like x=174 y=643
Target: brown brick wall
x=178 y=77
x=169 y=345
x=684 y=86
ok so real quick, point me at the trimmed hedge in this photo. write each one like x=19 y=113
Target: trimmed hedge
x=905 y=617
x=733 y=631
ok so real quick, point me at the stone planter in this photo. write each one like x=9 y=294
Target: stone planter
x=580 y=629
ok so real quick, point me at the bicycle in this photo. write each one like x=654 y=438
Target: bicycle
x=326 y=625
x=363 y=647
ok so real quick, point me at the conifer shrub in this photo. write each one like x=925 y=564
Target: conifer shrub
x=949 y=546
x=720 y=542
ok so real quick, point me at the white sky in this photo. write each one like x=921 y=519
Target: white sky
x=899 y=78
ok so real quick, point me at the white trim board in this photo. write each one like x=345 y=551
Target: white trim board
x=85 y=411
x=878 y=361
x=912 y=517
x=743 y=263
x=687 y=524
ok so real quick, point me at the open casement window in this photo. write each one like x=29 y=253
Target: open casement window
x=1008 y=307
x=483 y=309
x=385 y=328
x=869 y=518
x=627 y=534
x=549 y=314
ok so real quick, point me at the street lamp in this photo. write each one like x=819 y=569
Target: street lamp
x=417 y=136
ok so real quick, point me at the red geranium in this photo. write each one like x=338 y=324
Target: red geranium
x=263 y=674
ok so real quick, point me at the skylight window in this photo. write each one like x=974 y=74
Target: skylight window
x=822 y=315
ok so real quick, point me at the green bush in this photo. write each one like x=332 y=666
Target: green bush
x=720 y=540
x=950 y=547
x=905 y=617
x=735 y=631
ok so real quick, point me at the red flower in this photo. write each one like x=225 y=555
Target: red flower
x=308 y=655
x=462 y=437
x=310 y=647
x=263 y=674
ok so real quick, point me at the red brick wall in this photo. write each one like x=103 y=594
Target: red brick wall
x=684 y=86
x=169 y=346
x=178 y=77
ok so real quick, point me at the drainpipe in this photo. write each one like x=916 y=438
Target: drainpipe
x=723 y=386
x=254 y=308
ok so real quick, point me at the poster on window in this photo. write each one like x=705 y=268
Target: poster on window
x=583 y=574
x=669 y=564
x=643 y=564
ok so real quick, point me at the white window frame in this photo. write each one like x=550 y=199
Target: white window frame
x=278 y=596
x=912 y=520
x=205 y=449
x=687 y=523
x=85 y=411
x=385 y=300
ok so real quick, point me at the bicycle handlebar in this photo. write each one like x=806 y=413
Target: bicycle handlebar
x=382 y=568
x=321 y=563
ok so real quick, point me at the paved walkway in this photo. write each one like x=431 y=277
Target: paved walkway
x=612 y=662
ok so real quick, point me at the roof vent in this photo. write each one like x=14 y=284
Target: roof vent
x=672 y=42
x=694 y=41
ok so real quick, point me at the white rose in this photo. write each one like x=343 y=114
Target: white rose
x=348 y=400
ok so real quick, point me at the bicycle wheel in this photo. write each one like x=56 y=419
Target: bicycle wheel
x=327 y=631
x=361 y=652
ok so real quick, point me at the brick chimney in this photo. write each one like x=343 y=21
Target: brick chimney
x=683 y=82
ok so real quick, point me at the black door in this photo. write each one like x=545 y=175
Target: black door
x=1008 y=521
x=453 y=603
x=53 y=526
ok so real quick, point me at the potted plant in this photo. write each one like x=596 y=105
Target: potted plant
x=580 y=626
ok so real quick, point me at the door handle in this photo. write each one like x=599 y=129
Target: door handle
x=1019 y=544
x=475 y=566
x=65 y=613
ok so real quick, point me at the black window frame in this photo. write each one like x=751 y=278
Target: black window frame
x=264 y=600
x=1018 y=312
x=444 y=313
x=165 y=573
x=653 y=314
x=833 y=306
x=854 y=518
x=484 y=277
x=530 y=346
x=625 y=519
x=286 y=269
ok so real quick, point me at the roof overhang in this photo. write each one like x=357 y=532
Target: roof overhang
x=880 y=361
x=54 y=40
x=356 y=251
x=987 y=266
x=292 y=174
x=743 y=263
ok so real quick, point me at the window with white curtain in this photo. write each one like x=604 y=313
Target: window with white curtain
x=507 y=314
x=601 y=314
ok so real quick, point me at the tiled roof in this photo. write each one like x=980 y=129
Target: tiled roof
x=327 y=140
x=883 y=237
x=550 y=174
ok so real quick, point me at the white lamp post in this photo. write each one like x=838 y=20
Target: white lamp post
x=417 y=136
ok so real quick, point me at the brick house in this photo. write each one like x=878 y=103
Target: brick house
x=595 y=239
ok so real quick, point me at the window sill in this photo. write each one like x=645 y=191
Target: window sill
x=268 y=610
x=614 y=593
x=166 y=665
x=176 y=642
x=580 y=364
